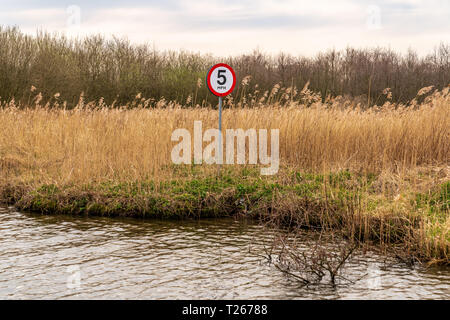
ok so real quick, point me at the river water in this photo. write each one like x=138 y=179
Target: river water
x=62 y=257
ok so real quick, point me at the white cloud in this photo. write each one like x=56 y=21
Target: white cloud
x=305 y=7
x=298 y=27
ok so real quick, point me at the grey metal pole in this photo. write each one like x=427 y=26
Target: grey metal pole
x=220 y=136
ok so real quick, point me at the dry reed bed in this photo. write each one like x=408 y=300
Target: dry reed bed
x=85 y=144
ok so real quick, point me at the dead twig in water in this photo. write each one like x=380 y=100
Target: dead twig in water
x=310 y=265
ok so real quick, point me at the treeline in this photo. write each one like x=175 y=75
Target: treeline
x=116 y=70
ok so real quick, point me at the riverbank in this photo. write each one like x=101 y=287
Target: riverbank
x=379 y=175
x=410 y=213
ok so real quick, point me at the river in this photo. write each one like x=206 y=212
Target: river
x=63 y=257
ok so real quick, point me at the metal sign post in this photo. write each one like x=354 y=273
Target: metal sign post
x=221 y=81
x=220 y=135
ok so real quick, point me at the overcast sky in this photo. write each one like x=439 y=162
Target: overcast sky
x=238 y=26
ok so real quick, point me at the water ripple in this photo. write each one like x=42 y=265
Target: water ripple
x=43 y=257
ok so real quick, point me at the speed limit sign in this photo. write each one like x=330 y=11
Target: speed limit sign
x=221 y=79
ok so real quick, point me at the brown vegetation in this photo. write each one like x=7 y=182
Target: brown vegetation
x=379 y=175
x=115 y=71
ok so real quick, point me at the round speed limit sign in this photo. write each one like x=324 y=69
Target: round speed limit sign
x=221 y=79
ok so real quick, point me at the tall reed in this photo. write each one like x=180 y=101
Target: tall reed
x=94 y=142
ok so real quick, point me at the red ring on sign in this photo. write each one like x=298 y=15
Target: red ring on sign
x=208 y=79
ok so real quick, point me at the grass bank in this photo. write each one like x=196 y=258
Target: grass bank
x=370 y=208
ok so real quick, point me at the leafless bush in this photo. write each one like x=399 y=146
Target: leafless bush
x=317 y=262
x=116 y=71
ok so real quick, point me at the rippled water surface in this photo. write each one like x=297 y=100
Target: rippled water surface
x=64 y=257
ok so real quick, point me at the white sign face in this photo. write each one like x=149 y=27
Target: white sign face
x=221 y=79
